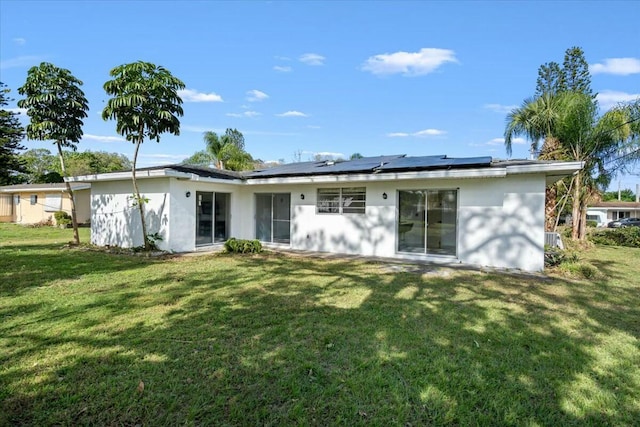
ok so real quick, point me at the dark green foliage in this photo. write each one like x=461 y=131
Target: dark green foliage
x=225 y=152
x=556 y=256
x=592 y=223
x=11 y=133
x=242 y=246
x=550 y=79
x=573 y=76
x=626 y=195
x=62 y=218
x=629 y=236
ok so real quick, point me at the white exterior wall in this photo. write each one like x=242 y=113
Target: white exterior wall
x=500 y=220
x=115 y=222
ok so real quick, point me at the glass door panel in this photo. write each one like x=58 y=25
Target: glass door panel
x=263 y=217
x=411 y=221
x=222 y=215
x=281 y=218
x=204 y=218
x=442 y=216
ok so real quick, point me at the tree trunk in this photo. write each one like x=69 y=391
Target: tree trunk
x=575 y=213
x=74 y=221
x=583 y=221
x=550 y=201
x=139 y=201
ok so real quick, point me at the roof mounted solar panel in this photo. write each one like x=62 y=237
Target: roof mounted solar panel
x=434 y=162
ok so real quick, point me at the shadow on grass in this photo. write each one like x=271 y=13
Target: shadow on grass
x=271 y=340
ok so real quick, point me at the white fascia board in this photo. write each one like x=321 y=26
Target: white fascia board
x=383 y=176
x=559 y=168
x=195 y=177
x=118 y=176
x=45 y=189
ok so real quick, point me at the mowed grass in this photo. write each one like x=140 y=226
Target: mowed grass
x=90 y=338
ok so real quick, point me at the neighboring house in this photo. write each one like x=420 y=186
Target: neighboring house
x=617 y=210
x=472 y=210
x=34 y=203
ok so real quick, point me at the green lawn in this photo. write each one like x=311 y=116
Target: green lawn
x=280 y=340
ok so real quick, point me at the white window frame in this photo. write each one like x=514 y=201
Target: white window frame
x=341 y=201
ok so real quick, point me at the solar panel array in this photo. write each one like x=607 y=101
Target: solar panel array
x=394 y=163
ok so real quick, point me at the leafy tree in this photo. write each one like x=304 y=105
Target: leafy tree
x=233 y=136
x=576 y=72
x=11 y=133
x=199 y=158
x=355 y=156
x=626 y=195
x=214 y=147
x=235 y=158
x=550 y=79
x=94 y=162
x=56 y=106
x=226 y=151
x=145 y=104
x=40 y=166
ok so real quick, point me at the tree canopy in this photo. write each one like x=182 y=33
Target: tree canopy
x=226 y=151
x=11 y=133
x=145 y=104
x=55 y=105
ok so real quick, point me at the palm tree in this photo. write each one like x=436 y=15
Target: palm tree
x=214 y=147
x=569 y=124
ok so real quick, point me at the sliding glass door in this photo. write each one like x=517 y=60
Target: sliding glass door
x=212 y=217
x=428 y=221
x=273 y=217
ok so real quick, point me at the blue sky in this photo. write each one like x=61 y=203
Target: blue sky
x=417 y=78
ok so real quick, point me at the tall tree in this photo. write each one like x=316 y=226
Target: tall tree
x=41 y=166
x=214 y=145
x=11 y=133
x=570 y=123
x=235 y=158
x=56 y=105
x=233 y=136
x=145 y=104
x=576 y=72
x=550 y=79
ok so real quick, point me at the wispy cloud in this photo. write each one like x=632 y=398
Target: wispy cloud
x=256 y=95
x=618 y=66
x=608 y=99
x=499 y=108
x=102 y=138
x=420 y=133
x=282 y=69
x=498 y=141
x=192 y=95
x=292 y=113
x=419 y=63
x=244 y=114
x=20 y=61
x=312 y=59
x=20 y=41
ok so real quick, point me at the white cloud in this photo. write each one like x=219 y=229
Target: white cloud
x=610 y=98
x=20 y=41
x=256 y=95
x=420 y=133
x=312 y=59
x=282 y=69
x=499 y=141
x=19 y=111
x=618 y=66
x=244 y=114
x=102 y=138
x=20 y=61
x=499 y=108
x=292 y=114
x=419 y=63
x=192 y=95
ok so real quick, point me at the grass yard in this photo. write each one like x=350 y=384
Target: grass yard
x=90 y=338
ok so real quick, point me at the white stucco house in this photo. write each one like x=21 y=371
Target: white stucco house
x=474 y=211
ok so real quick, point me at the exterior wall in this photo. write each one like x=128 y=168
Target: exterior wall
x=116 y=222
x=183 y=211
x=6 y=207
x=26 y=213
x=500 y=220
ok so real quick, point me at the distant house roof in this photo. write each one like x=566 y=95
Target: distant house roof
x=20 y=188
x=616 y=205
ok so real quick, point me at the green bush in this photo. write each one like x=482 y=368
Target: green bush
x=592 y=223
x=629 y=236
x=242 y=246
x=556 y=256
x=62 y=218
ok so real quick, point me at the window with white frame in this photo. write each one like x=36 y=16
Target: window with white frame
x=33 y=199
x=347 y=200
x=52 y=203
